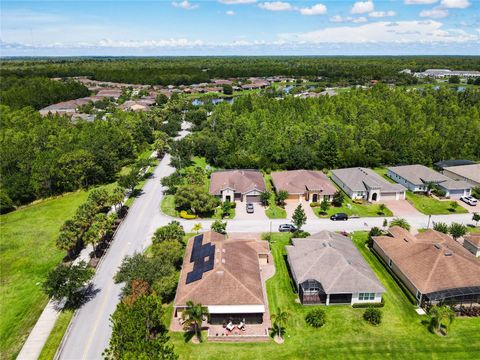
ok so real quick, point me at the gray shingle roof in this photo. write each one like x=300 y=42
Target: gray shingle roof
x=334 y=261
x=361 y=179
x=419 y=175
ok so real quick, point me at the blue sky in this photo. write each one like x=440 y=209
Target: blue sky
x=240 y=27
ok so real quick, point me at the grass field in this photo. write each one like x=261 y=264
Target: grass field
x=55 y=337
x=352 y=209
x=27 y=253
x=168 y=206
x=346 y=335
x=430 y=206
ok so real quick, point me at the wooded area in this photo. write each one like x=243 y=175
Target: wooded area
x=359 y=128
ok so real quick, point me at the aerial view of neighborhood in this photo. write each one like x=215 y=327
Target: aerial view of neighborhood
x=240 y=179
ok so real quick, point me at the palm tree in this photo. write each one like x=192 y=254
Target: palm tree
x=441 y=317
x=117 y=196
x=280 y=319
x=197 y=227
x=193 y=316
x=400 y=222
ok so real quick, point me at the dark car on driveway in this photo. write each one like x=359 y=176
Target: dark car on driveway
x=287 y=228
x=339 y=216
x=250 y=208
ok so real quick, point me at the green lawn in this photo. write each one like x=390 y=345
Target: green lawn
x=352 y=209
x=273 y=211
x=27 y=253
x=430 y=206
x=55 y=337
x=168 y=206
x=346 y=335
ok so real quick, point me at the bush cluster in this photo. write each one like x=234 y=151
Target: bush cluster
x=316 y=318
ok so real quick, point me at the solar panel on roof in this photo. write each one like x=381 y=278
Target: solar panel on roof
x=197 y=246
x=193 y=276
x=203 y=258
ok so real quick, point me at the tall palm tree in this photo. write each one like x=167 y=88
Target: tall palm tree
x=441 y=317
x=193 y=316
x=280 y=319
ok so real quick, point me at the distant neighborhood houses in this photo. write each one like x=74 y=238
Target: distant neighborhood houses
x=444 y=73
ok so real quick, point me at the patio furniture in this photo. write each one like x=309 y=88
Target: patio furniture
x=230 y=326
x=241 y=326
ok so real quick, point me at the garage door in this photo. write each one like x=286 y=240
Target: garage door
x=253 y=198
x=456 y=193
x=389 y=196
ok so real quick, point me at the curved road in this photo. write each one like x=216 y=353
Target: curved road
x=89 y=331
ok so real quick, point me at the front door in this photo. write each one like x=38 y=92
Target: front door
x=315 y=197
x=228 y=198
x=374 y=197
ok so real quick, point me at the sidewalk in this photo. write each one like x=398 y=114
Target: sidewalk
x=38 y=336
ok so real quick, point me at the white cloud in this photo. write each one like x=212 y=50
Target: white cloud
x=184 y=5
x=420 y=2
x=434 y=13
x=275 y=6
x=235 y=2
x=318 y=9
x=382 y=14
x=362 y=7
x=404 y=32
x=455 y=4
x=355 y=20
x=230 y=12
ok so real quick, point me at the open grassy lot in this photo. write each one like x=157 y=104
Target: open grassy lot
x=27 y=253
x=430 y=206
x=346 y=335
x=352 y=209
x=273 y=211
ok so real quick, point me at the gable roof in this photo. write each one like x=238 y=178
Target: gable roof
x=241 y=181
x=235 y=278
x=450 y=163
x=300 y=181
x=363 y=179
x=334 y=261
x=470 y=172
x=431 y=261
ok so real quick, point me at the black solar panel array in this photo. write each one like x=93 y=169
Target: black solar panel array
x=203 y=258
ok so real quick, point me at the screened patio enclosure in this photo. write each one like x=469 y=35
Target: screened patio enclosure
x=311 y=292
x=466 y=297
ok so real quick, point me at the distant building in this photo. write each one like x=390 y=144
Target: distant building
x=440 y=165
x=444 y=73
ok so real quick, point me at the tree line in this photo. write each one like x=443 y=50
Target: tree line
x=37 y=92
x=360 y=128
x=189 y=70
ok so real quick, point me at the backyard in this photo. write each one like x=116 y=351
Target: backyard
x=345 y=335
x=27 y=253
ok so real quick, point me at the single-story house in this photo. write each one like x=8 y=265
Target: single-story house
x=417 y=178
x=440 y=165
x=366 y=184
x=328 y=269
x=472 y=243
x=469 y=173
x=313 y=186
x=243 y=185
x=223 y=275
x=433 y=267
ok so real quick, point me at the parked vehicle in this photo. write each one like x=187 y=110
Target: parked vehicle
x=287 y=228
x=339 y=216
x=470 y=200
x=250 y=208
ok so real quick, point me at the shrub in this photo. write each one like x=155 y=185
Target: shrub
x=375 y=231
x=300 y=234
x=401 y=223
x=373 y=316
x=185 y=215
x=316 y=318
x=219 y=226
x=369 y=305
x=314 y=204
x=441 y=227
x=338 y=199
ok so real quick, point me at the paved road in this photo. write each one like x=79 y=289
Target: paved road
x=90 y=330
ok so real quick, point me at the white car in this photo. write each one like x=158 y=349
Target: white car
x=470 y=200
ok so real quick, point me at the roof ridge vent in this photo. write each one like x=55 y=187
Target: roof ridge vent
x=448 y=253
x=405 y=239
x=438 y=246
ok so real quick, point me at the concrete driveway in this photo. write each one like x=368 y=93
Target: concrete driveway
x=241 y=212
x=291 y=205
x=401 y=207
x=470 y=208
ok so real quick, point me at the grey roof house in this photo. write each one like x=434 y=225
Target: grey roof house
x=243 y=185
x=469 y=173
x=328 y=269
x=366 y=184
x=416 y=178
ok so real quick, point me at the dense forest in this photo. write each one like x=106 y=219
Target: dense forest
x=359 y=128
x=37 y=92
x=45 y=156
x=188 y=70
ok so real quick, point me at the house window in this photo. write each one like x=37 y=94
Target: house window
x=366 y=296
x=418 y=295
x=390 y=262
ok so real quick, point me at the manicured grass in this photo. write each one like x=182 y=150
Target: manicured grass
x=55 y=337
x=273 y=211
x=345 y=335
x=352 y=209
x=430 y=206
x=168 y=206
x=27 y=253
